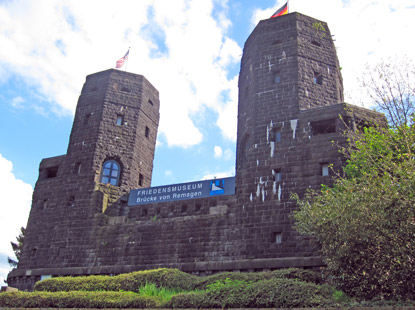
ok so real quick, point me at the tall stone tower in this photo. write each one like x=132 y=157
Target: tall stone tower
x=110 y=151
x=289 y=65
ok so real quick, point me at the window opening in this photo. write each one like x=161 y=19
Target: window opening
x=125 y=89
x=87 y=118
x=276 y=42
x=277 y=237
x=140 y=179
x=150 y=102
x=147 y=132
x=110 y=173
x=71 y=201
x=325 y=169
x=275 y=135
x=316 y=43
x=77 y=169
x=51 y=172
x=318 y=78
x=276 y=175
x=120 y=120
x=277 y=79
x=323 y=127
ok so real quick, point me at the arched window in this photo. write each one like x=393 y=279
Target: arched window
x=110 y=173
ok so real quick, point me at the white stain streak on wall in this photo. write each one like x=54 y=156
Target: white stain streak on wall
x=294 y=126
x=279 y=192
x=272 y=148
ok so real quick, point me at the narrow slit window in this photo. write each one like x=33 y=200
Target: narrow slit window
x=77 y=169
x=275 y=135
x=325 y=170
x=276 y=237
x=120 y=120
x=140 y=179
x=147 y=132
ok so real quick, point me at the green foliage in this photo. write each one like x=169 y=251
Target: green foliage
x=163 y=277
x=287 y=293
x=287 y=273
x=75 y=299
x=17 y=248
x=151 y=290
x=365 y=223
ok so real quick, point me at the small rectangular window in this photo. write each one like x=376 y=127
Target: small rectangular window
x=323 y=127
x=318 y=78
x=277 y=79
x=140 y=179
x=51 y=172
x=120 y=120
x=277 y=237
x=325 y=171
x=276 y=175
x=147 y=132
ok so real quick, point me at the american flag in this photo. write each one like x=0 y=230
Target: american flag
x=122 y=60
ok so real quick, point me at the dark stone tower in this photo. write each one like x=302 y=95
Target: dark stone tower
x=110 y=151
x=289 y=65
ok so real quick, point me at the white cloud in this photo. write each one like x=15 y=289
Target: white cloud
x=15 y=200
x=220 y=154
x=217 y=151
x=228 y=154
x=365 y=32
x=218 y=174
x=17 y=102
x=54 y=44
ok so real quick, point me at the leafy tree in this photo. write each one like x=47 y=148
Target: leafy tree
x=365 y=223
x=391 y=85
x=17 y=248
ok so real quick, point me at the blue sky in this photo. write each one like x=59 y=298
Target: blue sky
x=189 y=50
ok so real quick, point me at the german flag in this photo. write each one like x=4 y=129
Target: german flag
x=281 y=11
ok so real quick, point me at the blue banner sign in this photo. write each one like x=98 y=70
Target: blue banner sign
x=183 y=191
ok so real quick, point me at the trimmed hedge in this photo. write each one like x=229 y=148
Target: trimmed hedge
x=163 y=277
x=272 y=293
x=76 y=299
x=288 y=273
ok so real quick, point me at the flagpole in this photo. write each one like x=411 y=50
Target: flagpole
x=288 y=6
x=126 y=63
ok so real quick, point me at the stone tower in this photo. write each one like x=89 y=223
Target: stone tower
x=289 y=65
x=110 y=151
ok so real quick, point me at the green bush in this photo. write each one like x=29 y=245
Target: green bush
x=287 y=273
x=364 y=223
x=288 y=293
x=269 y=293
x=76 y=299
x=167 y=278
